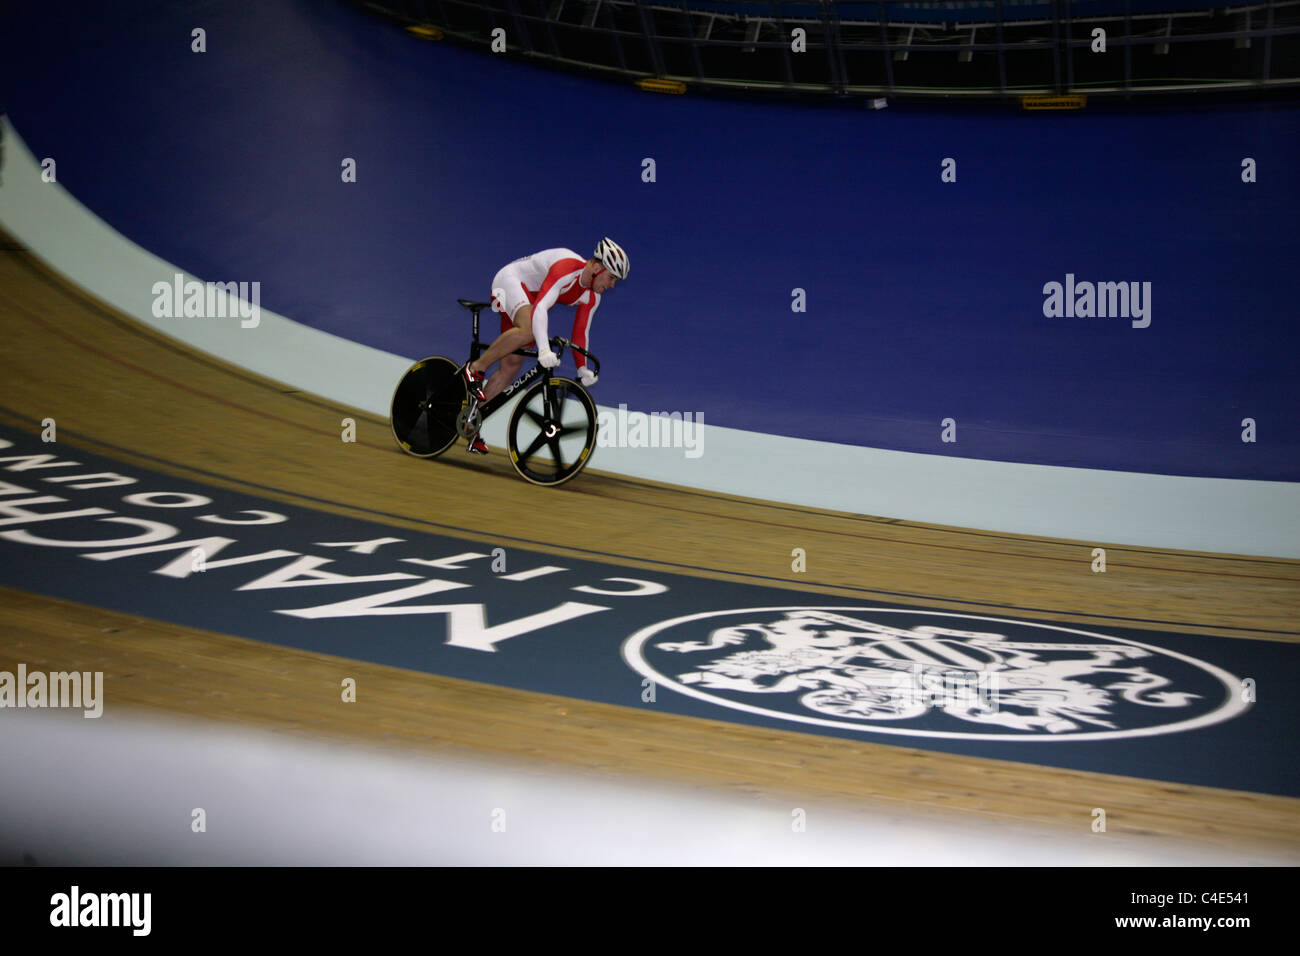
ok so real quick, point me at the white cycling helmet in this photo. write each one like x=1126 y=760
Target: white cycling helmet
x=612 y=257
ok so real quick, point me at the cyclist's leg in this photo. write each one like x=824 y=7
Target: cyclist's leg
x=509 y=299
x=519 y=336
x=522 y=328
x=506 y=373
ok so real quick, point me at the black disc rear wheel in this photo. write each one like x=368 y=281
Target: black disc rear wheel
x=425 y=406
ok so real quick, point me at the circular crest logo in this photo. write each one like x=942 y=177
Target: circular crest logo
x=932 y=674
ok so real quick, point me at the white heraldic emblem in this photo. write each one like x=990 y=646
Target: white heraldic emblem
x=961 y=676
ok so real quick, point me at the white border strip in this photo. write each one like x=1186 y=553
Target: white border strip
x=269 y=800
x=1126 y=508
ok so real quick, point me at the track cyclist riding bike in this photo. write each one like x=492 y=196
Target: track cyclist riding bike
x=523 y=292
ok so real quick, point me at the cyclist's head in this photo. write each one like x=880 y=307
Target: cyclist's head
x=612 y=257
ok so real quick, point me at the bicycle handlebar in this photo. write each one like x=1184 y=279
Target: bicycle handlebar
x=558 y=345
x=565 y=343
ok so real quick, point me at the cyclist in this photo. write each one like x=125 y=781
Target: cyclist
x=523 y=293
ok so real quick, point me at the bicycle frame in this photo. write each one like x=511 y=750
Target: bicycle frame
x=558 y=345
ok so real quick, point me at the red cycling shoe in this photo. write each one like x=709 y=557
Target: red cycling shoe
x=474 y=382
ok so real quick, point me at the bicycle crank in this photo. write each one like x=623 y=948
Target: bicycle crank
x=469 y=421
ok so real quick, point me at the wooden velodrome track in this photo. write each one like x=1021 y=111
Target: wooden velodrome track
x=98 y=373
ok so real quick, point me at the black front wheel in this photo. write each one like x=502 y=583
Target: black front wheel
x=552 y=432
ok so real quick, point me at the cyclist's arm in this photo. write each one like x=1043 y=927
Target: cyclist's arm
x=582 y=327
x=556 y=281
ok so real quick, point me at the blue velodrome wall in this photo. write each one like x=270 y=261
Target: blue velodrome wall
x=924 y=298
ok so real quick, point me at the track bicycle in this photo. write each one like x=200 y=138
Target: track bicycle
x=552 y=430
